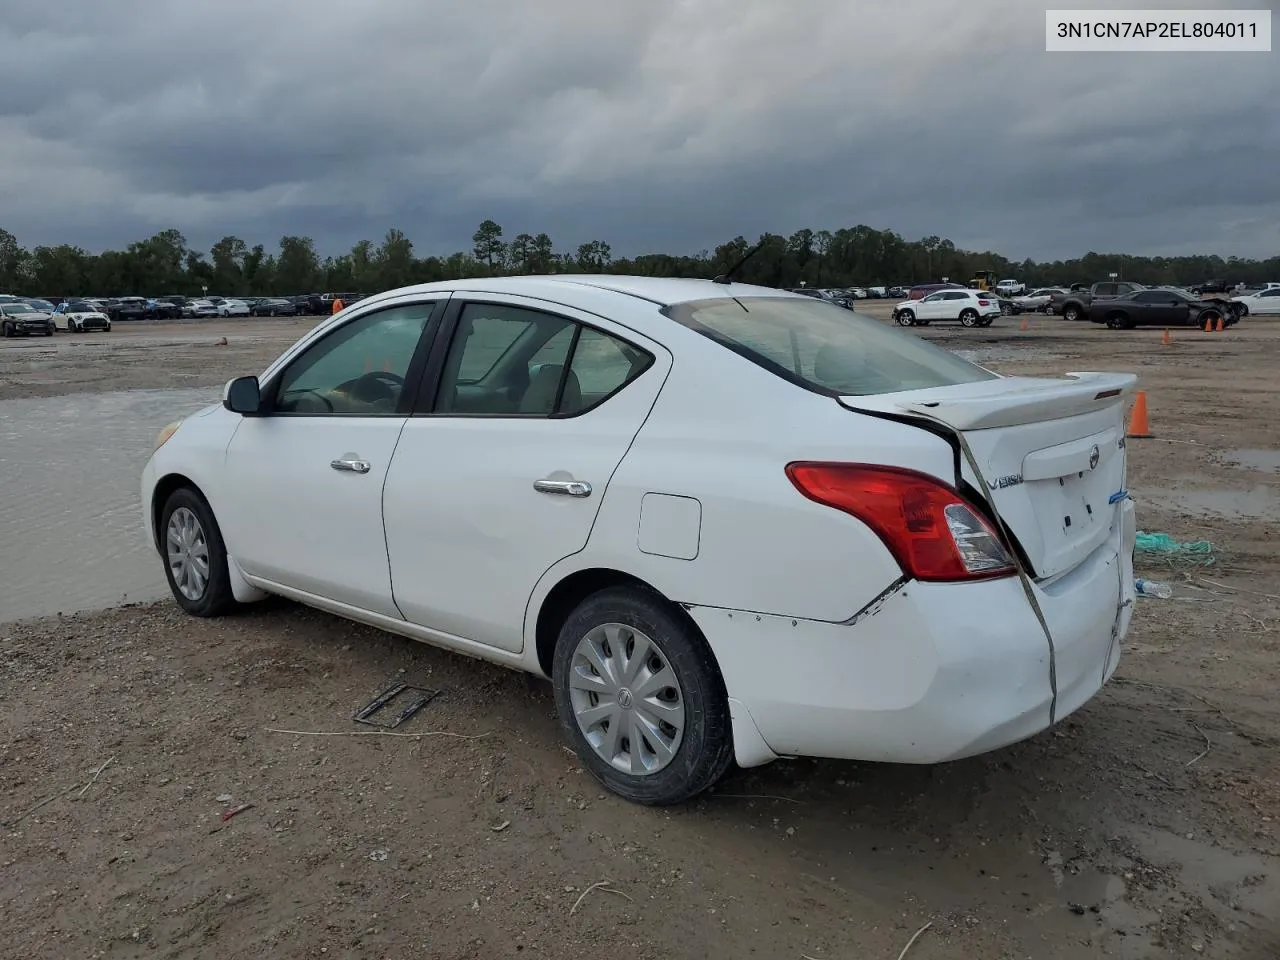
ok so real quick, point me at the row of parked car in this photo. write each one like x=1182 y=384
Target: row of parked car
x=34 y=316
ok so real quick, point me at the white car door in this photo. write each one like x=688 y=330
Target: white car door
x=931 y=307
x=953 y=301
x=304 y=479
x=501 y=473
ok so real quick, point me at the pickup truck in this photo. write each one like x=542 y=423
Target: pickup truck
x=1075 y=305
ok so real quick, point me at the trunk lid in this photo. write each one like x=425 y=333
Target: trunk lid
x=1052 y=452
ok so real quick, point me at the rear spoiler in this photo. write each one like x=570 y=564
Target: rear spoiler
x=1004 y=402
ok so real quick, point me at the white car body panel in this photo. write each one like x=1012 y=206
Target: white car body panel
x=825 y=649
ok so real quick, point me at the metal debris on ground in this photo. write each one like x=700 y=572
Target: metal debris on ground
x=236 y=810
x=417 y=697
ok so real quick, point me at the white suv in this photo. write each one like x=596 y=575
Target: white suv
x=973 y=308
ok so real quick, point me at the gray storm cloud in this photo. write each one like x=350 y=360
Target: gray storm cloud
x=669 y=125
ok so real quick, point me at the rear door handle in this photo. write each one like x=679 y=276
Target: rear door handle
x=564 y=488
x=350 y=465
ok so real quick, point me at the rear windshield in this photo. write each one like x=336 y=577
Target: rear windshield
x=824 y=347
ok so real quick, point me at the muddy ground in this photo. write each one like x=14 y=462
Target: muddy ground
x=1143 y=826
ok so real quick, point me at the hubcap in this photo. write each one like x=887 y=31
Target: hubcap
x=188 y=553
x=626 y=699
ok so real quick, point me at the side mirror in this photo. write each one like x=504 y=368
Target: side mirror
x=242 y=396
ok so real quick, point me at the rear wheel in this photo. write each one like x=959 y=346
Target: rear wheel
x=969 y=318
x=641 y=697
x=1071 y=313
x=195 y=558
x=906 y=318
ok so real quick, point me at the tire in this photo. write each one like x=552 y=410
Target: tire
x=1242 y=310
x=703 y=748
x=1117 y=321
x=906 y=318
x=969 y=318
x=1071 y=313
x=216 y=598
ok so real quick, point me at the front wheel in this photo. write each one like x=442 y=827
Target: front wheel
x=969 y=318
x=906 y=318
x=641 y=697
x=1116 y=321
x=195 y=558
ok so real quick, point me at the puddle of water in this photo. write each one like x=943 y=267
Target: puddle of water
x=1267 y=461
x=71 y=535
x=1259 y=503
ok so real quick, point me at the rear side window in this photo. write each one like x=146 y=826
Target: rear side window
x=825 y=348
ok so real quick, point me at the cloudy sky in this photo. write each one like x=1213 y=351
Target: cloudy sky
x=666 y=125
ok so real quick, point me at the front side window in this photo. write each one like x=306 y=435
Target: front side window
x=825 y=348
x=358 y=370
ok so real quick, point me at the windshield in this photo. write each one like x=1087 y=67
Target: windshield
x=823 y=347
x=16 y=308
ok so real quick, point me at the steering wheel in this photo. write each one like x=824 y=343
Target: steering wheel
x=383 y=382
x=308 y=393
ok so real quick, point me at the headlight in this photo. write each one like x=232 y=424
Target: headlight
x=166 y=433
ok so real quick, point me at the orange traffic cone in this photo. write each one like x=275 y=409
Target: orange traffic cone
x=1208 y=326
x=1222 y=325
x=1139 y=428
x=1025 y=326
x=368 y=364
x=1166 y=339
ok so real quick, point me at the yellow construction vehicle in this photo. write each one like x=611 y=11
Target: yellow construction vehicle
x=983 y=280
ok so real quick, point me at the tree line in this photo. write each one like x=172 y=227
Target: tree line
x=855 y=256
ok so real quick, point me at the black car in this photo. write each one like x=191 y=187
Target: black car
x=273 y=307
x=1211 y=286
x=24 y=320
x=163 y=309
x=128 y=308
x=1159 y=308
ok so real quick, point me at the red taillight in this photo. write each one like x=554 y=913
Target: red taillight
x=932 y=531
x=984 y=303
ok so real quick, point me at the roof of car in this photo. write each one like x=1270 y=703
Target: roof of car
x=663 y=291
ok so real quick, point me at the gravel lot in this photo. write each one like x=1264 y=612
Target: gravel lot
x=1144 y=826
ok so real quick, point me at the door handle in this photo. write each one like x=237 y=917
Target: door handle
x=350 y=465
x=565 y=488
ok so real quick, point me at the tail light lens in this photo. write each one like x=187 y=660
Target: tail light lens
x=933 y=532
x=984 y=303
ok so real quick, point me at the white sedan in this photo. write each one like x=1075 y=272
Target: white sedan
x=727 y=522
x=233 y=308
x=973 y=308
x=1264 y=303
